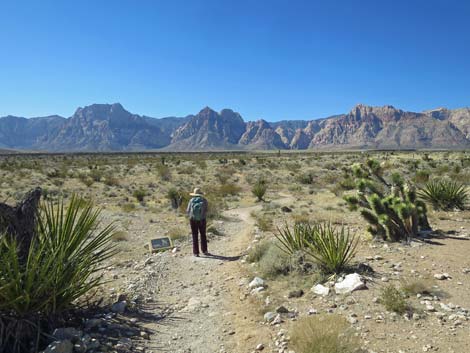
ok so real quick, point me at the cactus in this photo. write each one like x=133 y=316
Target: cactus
x=390 y=207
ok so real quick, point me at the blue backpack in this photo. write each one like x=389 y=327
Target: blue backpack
x=196 y=208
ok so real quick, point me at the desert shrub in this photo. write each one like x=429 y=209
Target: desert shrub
x=111 y=180
x=324 y=334
x=258 y=251
x=229 y=189
x=175 y=197
x=391 y=208
x=422 y=176
x=139 y=194
x=128 y=207
x=164 y=172
x=259 y=189
x=263 y=221
x=306 y=178
x=62 y=266
x=96 y=175
x=444 y=194
x=274 y=262
x=120 y=236
x=177 y=233
x=417 y=286
x=394 y=300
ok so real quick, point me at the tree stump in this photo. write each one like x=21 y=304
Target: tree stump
x=20 y=221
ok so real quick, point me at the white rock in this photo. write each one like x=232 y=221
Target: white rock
x=60 y=347
x=269 y=316
x=320 y=289
x=351 y=282
x=256 y=282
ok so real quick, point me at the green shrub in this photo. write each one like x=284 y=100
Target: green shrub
x=62 y=266
x=139 y=194
x=259 y=189
x=229 y=189
x=333 y=248
x=175 y=197
x=394 y=300
x=324 y=334
x=264 y=222
x=422 y=176
x=295 y=239
x=444 y=194
x=390 y=207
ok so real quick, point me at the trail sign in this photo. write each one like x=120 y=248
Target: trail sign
x=160 y=244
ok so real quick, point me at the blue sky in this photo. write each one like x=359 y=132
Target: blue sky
x=265 y=59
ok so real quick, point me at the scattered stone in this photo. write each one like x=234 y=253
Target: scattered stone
x=269 y=316
x=351 y=282
x=256 y=282
x=442 y=276
x=282 y=310
x=260 y=347
x=119 y=307
x=64 y=346
x=286 y=209
x=320 y=289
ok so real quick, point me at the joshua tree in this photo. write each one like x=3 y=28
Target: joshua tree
x=391 y=208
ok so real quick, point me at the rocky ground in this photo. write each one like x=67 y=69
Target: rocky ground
x=217 y=304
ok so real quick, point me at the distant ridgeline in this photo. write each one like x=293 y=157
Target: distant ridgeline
x=109 y=127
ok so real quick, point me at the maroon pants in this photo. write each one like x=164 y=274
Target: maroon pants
x=199 y=227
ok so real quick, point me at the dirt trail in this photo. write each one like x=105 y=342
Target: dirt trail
x=203 y=295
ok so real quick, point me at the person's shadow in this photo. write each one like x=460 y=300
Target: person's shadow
x=222 y=258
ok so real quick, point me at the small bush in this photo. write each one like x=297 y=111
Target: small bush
x=394 y=300
x=259 y=189
x=139 y=194
x=274 y=262
x=445 y=194
x=323 y=334
x=422 y=176
x=264 y=222
x=258 y=251
x=128 y=207
x=417 y=286
x=229 y=189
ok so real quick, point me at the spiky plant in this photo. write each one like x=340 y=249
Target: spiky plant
x=391 y=208
x=294 y=240
x=259 y=189
x=62 y=266
x=330 y=247
x=444 y=194
x=333 y=248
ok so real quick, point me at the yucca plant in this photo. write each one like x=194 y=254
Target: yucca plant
x=259 y=189
x=333 y=248
x=444 y=194
x=292 y=241
x=62 y=266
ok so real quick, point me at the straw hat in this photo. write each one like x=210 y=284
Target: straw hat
x=197 y=192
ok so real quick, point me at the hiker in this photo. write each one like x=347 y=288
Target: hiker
x=197 y=211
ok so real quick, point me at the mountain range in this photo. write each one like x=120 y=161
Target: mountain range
x=109 y=127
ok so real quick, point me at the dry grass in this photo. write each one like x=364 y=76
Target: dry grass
x=323 y=334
